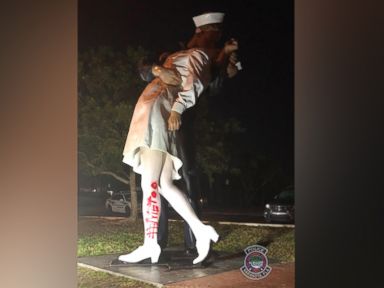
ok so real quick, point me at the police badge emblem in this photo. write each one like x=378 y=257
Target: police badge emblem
x=255 y=263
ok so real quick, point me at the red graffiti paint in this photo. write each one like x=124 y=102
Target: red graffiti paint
x=151 y=231
x=152 y=213
x=150 y=201
x=155 y=209
x=154 y=185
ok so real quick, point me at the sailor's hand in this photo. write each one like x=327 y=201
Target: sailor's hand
x=174 y=121
x=231 y=46
x=233 y=58
x=231 y=67
x=168 y=76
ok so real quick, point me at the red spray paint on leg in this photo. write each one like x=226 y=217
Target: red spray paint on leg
x=152 y=212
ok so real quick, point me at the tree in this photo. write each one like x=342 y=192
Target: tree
x=215 y=139
x=228 y=155
x=109 y=86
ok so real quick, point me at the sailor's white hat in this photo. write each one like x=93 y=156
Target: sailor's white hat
x=208 y=18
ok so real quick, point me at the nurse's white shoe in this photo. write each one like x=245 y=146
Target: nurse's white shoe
x=203 y=242
x=143 y=252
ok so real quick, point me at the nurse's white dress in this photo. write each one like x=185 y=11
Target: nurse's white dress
x=149 y=124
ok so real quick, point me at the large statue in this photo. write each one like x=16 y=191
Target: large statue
x=227 y=68
x=152 y=147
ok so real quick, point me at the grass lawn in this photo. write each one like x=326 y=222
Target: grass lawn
x=106 y=236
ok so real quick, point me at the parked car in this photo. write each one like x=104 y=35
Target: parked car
x=281 y=208
x=119 y=202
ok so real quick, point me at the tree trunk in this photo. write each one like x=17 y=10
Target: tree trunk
x=132 y=185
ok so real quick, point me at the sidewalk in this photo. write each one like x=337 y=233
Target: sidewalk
x=282 y=275
x=254 y=211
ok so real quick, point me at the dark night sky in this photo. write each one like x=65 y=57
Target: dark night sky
x=261 y=95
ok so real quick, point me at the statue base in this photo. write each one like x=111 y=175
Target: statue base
x=172 y=259
x=174 y=266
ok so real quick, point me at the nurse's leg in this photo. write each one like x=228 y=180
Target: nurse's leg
x=152 y=161
x=203 y=233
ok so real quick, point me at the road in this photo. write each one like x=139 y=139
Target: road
x=92 y=204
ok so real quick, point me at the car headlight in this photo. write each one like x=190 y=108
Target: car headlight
x=267 y=206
